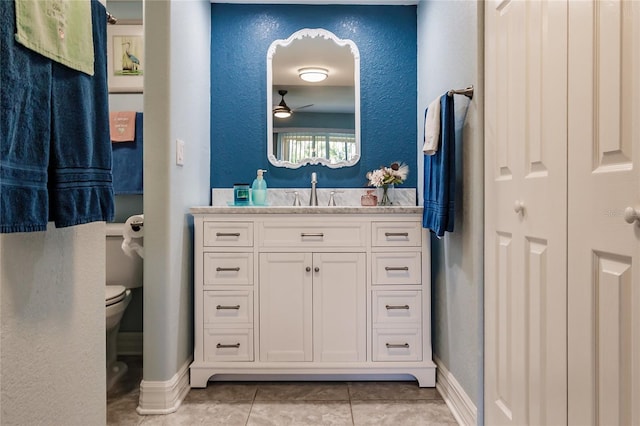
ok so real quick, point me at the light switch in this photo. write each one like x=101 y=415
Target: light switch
x=179 y=152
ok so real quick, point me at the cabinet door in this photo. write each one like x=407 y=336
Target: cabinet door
x=339 y=307
x=285 y=307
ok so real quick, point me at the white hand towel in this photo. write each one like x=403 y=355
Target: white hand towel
x=432 y=128
x=128 y=246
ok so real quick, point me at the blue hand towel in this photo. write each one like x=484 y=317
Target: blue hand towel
x=80 y=188
x=127 y=162
x=440 y=175
x=25 y=100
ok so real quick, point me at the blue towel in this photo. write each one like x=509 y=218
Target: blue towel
x=25 y=100
x=55 y=152
x=440 y=175
x=80 y=189
x=127 y=162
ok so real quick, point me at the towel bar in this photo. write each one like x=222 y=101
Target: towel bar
x=468 y=92
x=111 y=19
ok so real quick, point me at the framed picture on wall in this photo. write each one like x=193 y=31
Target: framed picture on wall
x=125 y=58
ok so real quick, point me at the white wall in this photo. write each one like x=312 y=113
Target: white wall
x=52 y=316
x=450 y=46
x=176 y=105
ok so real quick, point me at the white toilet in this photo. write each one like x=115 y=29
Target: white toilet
x=123 y=273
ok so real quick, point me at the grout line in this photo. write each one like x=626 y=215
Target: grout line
x=353 y=420
x=252 y=402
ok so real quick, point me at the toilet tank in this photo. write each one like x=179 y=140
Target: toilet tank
x=121 y=269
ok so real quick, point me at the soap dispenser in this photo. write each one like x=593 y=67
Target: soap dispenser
x=259 y=190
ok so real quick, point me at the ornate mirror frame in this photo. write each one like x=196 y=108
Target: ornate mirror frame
x=299 y=35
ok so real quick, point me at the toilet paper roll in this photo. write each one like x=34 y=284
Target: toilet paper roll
x=133 y=230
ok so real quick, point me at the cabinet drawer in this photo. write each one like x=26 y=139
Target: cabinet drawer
x=228 y=344
x=397 y=307
x=228 y=268
x=228 y=234
x=317 y=234
x=396 y=234
x=228 y=307
x=399 y=268
x=397 y=344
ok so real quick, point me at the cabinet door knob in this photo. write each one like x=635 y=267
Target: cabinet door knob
x=632 y=215
x=316 y=269
x=308 y=268
x=518 y=207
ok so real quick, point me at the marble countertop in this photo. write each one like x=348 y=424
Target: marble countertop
x=280 y=201
x=305 y=210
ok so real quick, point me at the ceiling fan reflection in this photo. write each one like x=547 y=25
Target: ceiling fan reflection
x=282 y=110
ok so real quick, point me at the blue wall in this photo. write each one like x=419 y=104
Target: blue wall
x=240 y=36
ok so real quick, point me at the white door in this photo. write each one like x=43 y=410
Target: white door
x=525 y=212
x=604 y=180
x=285 y=307
x=339 y=307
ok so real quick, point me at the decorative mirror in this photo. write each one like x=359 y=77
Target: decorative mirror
x=313 y=100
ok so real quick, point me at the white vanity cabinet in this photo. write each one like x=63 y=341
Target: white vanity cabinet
x=289 y=291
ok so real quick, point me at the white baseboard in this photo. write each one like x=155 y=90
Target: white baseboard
x=130 y=343
x=158 y=397
x=462 y=407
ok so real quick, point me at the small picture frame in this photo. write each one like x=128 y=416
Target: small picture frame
x=125 y=58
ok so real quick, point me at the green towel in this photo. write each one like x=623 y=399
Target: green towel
x=58 y=29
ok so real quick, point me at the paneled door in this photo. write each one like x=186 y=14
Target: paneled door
x=525 y=212
x=604 y=195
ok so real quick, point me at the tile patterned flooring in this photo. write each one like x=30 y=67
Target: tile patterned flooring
x=286 y=403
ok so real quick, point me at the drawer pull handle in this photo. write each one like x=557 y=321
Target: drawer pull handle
x=396 y=234
x=220 y=345
x=228 y=307
x=396 y=268
x=397 y=306
x=312 y=234
x=396 y=345
x=219 y=269
x=227 y=234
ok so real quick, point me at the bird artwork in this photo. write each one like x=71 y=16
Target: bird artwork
x=130 y=63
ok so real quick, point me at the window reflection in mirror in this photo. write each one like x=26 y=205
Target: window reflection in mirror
x=313 y=122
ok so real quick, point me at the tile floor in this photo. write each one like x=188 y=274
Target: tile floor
x=286 y=403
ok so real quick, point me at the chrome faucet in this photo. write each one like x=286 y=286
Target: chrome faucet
x=313 y=199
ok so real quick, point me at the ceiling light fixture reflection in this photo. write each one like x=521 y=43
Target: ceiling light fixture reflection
x=313 y=74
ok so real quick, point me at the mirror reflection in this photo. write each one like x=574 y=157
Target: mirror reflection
x=313 y=98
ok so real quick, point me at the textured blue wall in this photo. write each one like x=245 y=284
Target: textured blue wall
x=240 y=36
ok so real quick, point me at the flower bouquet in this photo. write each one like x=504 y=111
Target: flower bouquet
x=385 y=177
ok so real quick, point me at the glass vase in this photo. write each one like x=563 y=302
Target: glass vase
x=385 y=199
